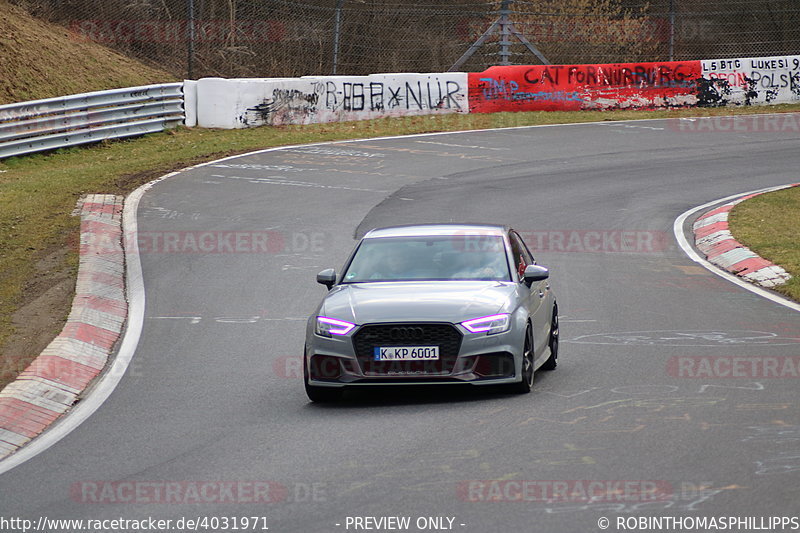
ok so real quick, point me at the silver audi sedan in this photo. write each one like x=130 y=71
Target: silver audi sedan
x=432 y=304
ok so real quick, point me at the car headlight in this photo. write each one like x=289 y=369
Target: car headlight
x=489 y=324
x=327 y=327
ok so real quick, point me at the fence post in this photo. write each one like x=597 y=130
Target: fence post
x=507 y=29
x=190 y=61
x=505 y=32
x=672 y=30
x=337 y=31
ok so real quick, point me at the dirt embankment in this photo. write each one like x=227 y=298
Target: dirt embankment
x=42 y=60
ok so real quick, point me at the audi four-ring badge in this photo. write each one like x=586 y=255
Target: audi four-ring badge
x=432 y=304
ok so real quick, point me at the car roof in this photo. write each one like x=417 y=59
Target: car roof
x=417 y=230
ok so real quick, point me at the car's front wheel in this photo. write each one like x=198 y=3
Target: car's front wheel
x=320 y=394
x=526 y=383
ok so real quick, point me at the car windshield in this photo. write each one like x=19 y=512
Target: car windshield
x=429 y=258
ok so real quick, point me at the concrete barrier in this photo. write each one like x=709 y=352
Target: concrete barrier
x=703 y=83
x=190 y=103
x=750 y=81
x=241 y=103
x=578 y=87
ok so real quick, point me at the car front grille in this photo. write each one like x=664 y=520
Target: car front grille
x=445 y=336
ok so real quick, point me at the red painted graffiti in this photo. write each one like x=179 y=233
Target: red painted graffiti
x=575 y=87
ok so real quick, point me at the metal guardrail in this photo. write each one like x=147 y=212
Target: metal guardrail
x=28 y=127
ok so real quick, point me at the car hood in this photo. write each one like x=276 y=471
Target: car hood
x=435 y=301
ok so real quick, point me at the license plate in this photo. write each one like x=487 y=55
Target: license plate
x=406 y=353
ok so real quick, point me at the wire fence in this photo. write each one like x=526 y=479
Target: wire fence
x=275 y=38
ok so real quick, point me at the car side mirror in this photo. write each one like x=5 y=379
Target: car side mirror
x=535 y=273
x=327 y=277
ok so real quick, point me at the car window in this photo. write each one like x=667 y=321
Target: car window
x=526 y=252
x=522 y=257
x=441 y=257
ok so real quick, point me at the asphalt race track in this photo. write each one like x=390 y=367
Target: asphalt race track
x=214 y=393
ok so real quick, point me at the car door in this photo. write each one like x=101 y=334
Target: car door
x=536 y=296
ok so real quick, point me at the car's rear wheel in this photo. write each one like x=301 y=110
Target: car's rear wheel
x=320 y=394
x=552 y=361
x=526 y=383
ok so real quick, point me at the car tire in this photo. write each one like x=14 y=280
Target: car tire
x=320 y=394
x=526 y=382
x=552 y=361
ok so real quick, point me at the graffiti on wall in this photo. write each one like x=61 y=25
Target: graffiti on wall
x=284 y=104
x=706 y=83
x=750 y=81
x=574 y=87
x=356 y=98
x=243 y=103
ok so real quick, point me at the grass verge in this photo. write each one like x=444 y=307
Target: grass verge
x=38 y=237
x=769 y=224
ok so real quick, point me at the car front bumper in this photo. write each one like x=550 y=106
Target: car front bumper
x=481 y=359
